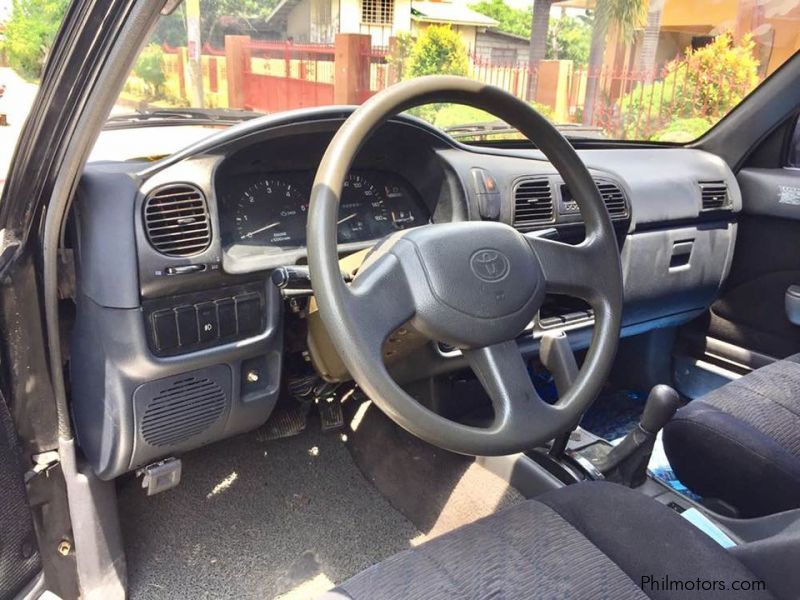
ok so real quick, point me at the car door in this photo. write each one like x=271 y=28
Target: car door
x=20 y=562
x=748 y=326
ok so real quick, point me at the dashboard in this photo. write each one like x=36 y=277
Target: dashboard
x=268 y=211
x=181 y=339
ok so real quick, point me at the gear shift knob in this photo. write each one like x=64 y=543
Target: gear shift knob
x=661 y=405
x=627 y=462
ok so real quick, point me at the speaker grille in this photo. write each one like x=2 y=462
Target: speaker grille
x=176 y=220
x=184 y=409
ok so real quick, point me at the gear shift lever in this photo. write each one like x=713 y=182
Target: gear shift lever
x=627 y=462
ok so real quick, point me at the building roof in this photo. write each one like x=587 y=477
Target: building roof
x=445 y=12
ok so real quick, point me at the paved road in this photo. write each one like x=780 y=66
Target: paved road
x=15 y=103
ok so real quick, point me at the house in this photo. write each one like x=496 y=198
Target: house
x=318 y=21
x=501 y=48
x=674 y=25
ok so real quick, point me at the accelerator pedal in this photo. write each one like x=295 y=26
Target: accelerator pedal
x=330 y=413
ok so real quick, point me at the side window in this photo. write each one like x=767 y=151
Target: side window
x=793 y=156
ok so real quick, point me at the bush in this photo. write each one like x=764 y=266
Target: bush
x=30 y=32
x=705 y=84
x=150 y=69
x=683 y=130
x=438 y=51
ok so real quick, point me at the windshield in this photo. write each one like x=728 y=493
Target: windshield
x=641 y=70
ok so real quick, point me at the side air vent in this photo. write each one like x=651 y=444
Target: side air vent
x=614 y=199
x=176 y=220
x=533 y=204
x=714 y=195
x=182 y=410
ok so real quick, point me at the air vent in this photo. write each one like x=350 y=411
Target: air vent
x=533 y=204
x=613 y=198
x=176 y=220
x=714 y=195
x=186 y=408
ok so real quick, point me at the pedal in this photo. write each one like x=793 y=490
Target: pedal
x=285 y=422
x=161 y=476
x=330 y=414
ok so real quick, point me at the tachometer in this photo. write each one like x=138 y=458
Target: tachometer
x=271 y=212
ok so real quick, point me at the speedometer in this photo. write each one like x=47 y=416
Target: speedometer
x=363 y=214
x=271 y=212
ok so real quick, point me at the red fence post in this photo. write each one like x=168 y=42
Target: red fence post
x=351 y=67
x=237 y=63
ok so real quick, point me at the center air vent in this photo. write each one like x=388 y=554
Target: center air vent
x=613 y=198
x=183 y=409
x=176 y=220
x=533 y=204
x=713 y=194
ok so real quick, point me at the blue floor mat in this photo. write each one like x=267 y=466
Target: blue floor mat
x=614 y=413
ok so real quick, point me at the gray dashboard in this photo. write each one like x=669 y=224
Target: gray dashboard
x=179 y=338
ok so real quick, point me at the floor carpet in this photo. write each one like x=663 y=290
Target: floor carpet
x=258 y=519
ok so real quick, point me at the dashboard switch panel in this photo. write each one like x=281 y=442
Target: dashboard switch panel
x=190 y=322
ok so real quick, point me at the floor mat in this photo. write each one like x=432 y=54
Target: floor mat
x=660 y=468
x=614 y=413
x=436 y=490
x=257 y=519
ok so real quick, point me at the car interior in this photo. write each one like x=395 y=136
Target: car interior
x=336 y=352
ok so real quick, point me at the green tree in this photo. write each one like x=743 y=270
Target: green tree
x=516 y=21
x=172 y=29
x=569 y=39
x=30 y=32
x=626 y=16
x=150 y=68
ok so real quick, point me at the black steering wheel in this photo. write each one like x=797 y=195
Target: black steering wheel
x=474 y=285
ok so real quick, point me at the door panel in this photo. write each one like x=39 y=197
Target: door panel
x=20 y=562
x=750 y=317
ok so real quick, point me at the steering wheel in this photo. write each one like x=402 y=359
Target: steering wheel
x=474 y=285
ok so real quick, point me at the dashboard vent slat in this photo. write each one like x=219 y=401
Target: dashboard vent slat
x=176 y=220
x=714 y=195
x=613 y=198
x=533 y=204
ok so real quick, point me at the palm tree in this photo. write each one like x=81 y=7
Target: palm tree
x=538 y=45
x=626 y=16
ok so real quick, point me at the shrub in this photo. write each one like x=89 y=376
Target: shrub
x=30 y=32
x=438 y=51
x=683 y=130
x=150 y=69
x=705 y=84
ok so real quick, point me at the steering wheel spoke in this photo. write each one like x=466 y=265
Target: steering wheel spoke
x=518 y=408
x=572 y=270
x=380 y=301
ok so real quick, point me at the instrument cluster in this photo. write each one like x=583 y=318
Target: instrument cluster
x=269 y=211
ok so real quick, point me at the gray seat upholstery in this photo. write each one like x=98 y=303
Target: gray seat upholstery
x=741 y=442
x=590 y=540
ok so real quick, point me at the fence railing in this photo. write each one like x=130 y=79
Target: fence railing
x=622 y=103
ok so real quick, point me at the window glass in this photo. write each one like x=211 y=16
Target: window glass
x=27 y=31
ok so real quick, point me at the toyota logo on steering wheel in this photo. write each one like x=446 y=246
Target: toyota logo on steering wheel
x=489 y=265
